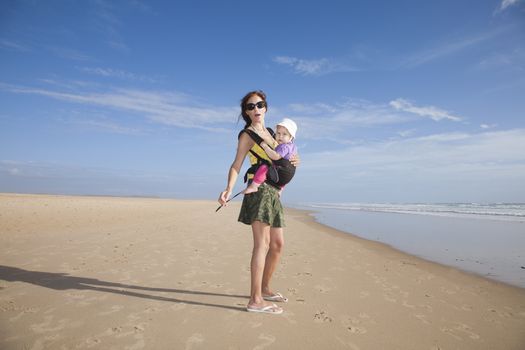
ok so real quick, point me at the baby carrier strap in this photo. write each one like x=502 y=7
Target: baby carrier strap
x=260 y=160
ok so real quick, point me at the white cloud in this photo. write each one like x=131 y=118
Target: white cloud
x=11 y=45
x=331 y=122
x=108 y=126
x=450 y=47
x=441 y=167
x=108 y=72
x=406 y=133
x=507 y=3
x=162 y=107
x=70 y=54
x=13 y=171
x=432 y=112
x=315 y=67
x=318 y=121
x=116 y=73
x=488 y=126
x=334 y=122
x=109 y=23
x=511 y=60
x=448 y=152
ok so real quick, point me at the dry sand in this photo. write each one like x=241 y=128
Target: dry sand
x=133 y=273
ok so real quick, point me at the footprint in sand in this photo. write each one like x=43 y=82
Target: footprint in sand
x=322 y=289
x=151 y=309
x=40 y=343
x=364 y=294
x=422 y=318
x=91 y=300
x=466 y=307
x=309 y=274
x=407 y=305
x=508 y=313
x=322 y=317
x=389 y=298
x=139 y=328
x=292 y=291
x=356 y=330
x=90 y=342
x=116 y=330
x=23 y=311
x=49 y=325
x=74 y=297
x=114 y=308
x=355 y=325
x=459 y=330
x=448 y=291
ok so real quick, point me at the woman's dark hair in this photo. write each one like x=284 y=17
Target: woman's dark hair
x=245 y=99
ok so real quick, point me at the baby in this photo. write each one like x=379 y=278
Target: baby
x=281 y=170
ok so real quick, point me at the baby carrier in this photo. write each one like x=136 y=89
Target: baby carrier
x=280 y=172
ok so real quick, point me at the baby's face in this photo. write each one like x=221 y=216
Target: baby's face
x=282 y=135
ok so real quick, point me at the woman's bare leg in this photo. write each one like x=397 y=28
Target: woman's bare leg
x=261 y=242
x=272 y=258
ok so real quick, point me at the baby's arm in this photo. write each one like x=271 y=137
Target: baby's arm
x=270 y=152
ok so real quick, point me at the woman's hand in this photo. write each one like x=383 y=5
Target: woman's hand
x=295 y=160
x=224 y=196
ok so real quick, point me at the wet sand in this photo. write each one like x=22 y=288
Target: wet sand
x=132 y=273
x=491 y=248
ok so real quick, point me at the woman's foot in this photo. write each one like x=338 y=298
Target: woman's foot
x=265 y=308
x=278 y=297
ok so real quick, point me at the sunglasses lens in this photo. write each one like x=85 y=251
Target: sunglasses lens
x=251 y=106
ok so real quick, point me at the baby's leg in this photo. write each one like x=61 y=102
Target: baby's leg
x=258 y=179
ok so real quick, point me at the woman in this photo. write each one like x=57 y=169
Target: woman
x=262 y=209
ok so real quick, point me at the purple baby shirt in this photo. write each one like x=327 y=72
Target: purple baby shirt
x=286 y=150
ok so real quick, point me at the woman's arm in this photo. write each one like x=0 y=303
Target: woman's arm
x=270 y=152
x=244 y=145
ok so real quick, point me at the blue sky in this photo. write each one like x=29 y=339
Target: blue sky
x=396 y=101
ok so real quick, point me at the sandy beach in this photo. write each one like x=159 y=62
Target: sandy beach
x=139 y=273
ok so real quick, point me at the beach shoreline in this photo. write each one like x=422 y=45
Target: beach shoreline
x=487 y=248
x=326 y=228
x=100 y=272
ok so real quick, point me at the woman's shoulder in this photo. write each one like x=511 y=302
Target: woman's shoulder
x=254 y=136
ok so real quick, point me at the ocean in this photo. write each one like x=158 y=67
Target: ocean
x=485 y=239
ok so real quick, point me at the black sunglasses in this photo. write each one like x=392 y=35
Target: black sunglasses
x=251 y=106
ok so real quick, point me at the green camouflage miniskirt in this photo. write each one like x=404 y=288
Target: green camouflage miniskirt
x=263 y=205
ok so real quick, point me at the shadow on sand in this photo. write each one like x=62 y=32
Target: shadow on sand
x=64 y=281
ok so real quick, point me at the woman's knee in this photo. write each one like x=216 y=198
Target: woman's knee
x=277 y=240
x=262 y=244
x=277 y=246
